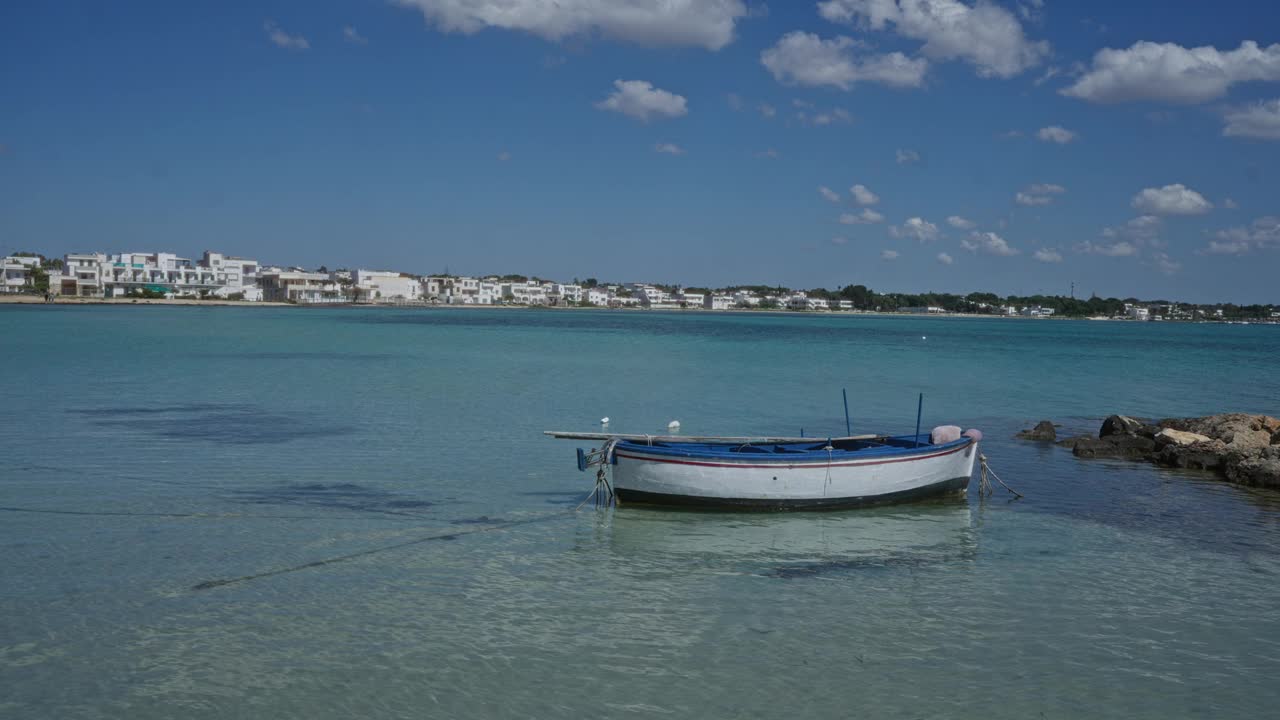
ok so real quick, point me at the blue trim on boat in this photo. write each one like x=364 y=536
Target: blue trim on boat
x=898 y=446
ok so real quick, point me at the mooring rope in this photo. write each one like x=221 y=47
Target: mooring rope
x=984 y=486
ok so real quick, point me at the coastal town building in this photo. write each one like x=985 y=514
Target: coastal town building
x=383 y=286
x=298 y=286
x=1036 y=311
x=235 y=276
x=597 y=296
x=923 y=310
x=1136 y=312
x=123 y=274
x=524 y=293
x=16 y=273
x=802 y=301
x=718 y=301
x=690 y=299
x=746 y=299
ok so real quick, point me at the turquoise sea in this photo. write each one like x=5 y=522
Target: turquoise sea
x=337 y=513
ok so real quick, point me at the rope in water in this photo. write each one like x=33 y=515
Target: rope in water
x=603 y=490
x=984 y=485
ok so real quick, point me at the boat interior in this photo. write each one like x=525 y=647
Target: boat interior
x=886 y=444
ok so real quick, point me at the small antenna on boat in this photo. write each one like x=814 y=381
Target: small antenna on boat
x=919 y=411
x=848 y=430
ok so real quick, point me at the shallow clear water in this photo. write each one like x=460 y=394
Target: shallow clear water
x=148 y=454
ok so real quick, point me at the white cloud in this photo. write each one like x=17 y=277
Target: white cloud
x=829 y=194
x=835 y=116
x=1176 y=199
x=1119 y=249
x=907 y=157
x=353 y=36
x=1260 y=120
x=641 y=100
x=945 y=259
x=866 y=216
x=960 y=223
x=888 y=254
x=1038 y=194
x=1046 y=189
x=1172 y=73
x=504 y=156
x=1056 y=134
x=801 y=58
x=1228 y=247
x=1165 y=264
x=1143 y=230
x=1230 y=204
x=984 y=35
x=863 y=195
x=1047 y=255
x=697 y=23
x=767 y=110
x=839 y=240
x=917 y=228
x=734 y=100
x=769 y=153
x=990 y=243
x=284 y=39
x=668 y=148
x=1263 y=233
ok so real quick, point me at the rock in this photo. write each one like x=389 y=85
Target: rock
x=1169 y=436
x=1262 y=470
x=1119 y=425
x=1133 y=447
x=1043 y=431
x=1242 y=431
x=1071 y=441
x=1203 y=455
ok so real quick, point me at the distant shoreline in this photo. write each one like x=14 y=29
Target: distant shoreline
x=18 y=299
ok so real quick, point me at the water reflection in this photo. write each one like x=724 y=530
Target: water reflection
x=799 y=545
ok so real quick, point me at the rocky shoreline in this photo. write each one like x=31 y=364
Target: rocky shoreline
x=1239 y=447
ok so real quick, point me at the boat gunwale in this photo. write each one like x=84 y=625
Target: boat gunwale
x=693 y=452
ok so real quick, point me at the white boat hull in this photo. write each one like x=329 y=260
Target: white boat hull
x=653 y=478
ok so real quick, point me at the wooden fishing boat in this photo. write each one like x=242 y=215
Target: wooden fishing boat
x=783 y=473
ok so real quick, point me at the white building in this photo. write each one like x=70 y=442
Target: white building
x=746 y=299
x=690 y=299
x=524 y=293
x=82 y=274
x=841 y=304
x=923 y=310
x=15 y=273
x=718 y=301
x=597 y=296
x=1036 y=311
x=234 y=275
x=490 y=293
x=1137 y=313
x=802 y=301
x=297 y=286
x=559 y=293
x=384 y=286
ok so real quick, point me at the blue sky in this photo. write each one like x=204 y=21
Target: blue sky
x=1125 y=147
